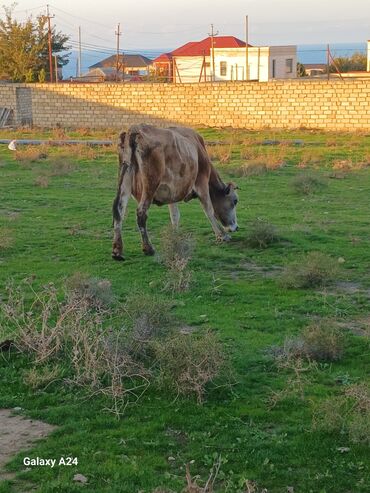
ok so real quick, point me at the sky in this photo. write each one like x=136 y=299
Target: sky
x=167 y=24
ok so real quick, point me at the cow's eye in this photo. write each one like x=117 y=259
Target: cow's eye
x=235 y=201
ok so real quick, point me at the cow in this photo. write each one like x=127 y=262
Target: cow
x=166 y=166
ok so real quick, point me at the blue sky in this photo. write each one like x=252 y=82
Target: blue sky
x=168 y=24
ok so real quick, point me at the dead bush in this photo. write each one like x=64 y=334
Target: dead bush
x=96 y=292
x=59 y=133
x=313 y=270
x=189 y=362
x=42 y=181
x=253 y=168
x=220 y=152
x=31 y=154
x=40 y=377
x=322 y=343
x=60 y=166
x=149 y=316
x=347 y=413
x=307 y=183
x=318 y=342
x=175 y=253
x=261 y=233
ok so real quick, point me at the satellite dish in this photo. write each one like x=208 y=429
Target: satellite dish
x=12 y=146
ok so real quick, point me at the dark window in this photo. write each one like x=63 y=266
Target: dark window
x=223 y=68
x=273 y=69
x=289 y=65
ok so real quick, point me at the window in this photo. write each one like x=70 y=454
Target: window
x=223 y=68
x=273 y=69
x=289 y=65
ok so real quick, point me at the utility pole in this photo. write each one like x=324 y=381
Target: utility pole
x=48 y=16
x=79 y=53
x=213 y=34
x=118 y=34
x=328 y=61
x=246 y=48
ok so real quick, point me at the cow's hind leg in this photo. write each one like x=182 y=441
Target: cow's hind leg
x=142 y=217
x=174 y=214
x=119 y=209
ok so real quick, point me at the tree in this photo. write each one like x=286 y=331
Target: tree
x=24 y=47
x=355 y=63
x=301 y=71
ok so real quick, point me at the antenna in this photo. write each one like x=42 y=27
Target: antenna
x=213 y=34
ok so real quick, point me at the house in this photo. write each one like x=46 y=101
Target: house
x=192 y=61
x=128 y=65
x=264 y=63
x=226 y=59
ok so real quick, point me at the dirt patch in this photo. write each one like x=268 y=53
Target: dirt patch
x=360 y=327
x=18 y=433
x=251 y=267
x=347 y=287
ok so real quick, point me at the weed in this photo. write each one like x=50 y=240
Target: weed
x=6 y=238
x=261 y=233
x=59 y=166
x=322 y=343
x=31 y=154
x=220 y=152
x=313 y=270
x=188 y=362
x=307 y=183
x=149 y=316
x=347 y=413
x=37 y=377
x=176 y=250
x=96 y=292
x=42 y=181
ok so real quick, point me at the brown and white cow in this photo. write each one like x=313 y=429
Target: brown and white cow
x=166 y=166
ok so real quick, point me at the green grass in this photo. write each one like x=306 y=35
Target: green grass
x=66 y=227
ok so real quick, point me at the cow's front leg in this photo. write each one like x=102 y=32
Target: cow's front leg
x=119 y=210
x=174 y=215
x=206 y=202
x=142 y=217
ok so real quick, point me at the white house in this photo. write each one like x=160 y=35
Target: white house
x=264 y=63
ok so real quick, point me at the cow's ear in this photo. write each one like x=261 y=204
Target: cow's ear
x=229 y=187
x=121 y=141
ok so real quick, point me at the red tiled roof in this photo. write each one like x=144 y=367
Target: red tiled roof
x=203 y=47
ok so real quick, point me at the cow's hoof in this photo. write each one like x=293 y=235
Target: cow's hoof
x=117 y=257
x=223 y=238
x=149 y=251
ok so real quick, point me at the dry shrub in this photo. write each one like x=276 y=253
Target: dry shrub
x=347 y=413
x=41 y=181
x=253 y=168
x=299 y=370
x=318 y=342
x=38 y=377
x=96 y=292
x=6 y=238
x=188 y=362
x=60 y=166
x=74 y=334
x=31 y=154
x=176 y=250
x=220 y=152
x=313 y=270
x=322 y=343
x=79 y=151
x=311 y=157
x=261 y=233
x=149 y=316
x=59 y=133
x=307 y=183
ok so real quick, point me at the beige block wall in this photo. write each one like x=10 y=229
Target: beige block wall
x=328 y=105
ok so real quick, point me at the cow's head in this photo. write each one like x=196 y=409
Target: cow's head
x=224 y=204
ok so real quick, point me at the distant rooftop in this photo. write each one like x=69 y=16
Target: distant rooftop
x=129 y=61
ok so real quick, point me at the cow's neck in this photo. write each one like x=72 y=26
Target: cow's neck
x=215 y=182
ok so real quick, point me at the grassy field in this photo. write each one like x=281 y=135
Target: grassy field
x=55 y=220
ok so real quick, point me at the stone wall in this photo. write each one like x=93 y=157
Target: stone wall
x=328 y=105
